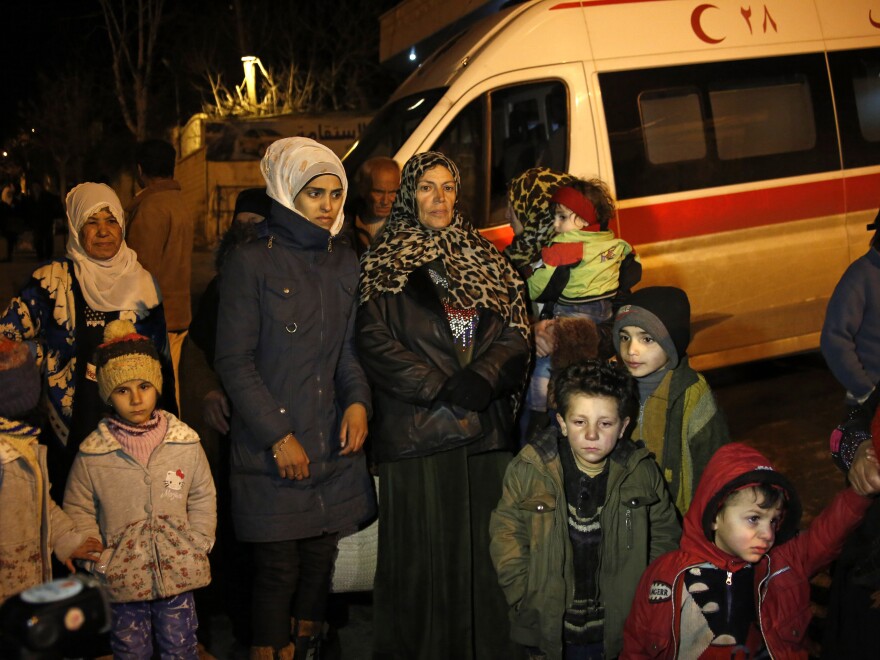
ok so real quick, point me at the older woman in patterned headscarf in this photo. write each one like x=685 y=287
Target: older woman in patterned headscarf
x=442 y=334
x=300 y=400
x=64 y=309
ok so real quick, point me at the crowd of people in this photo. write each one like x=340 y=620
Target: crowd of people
x=555 y=480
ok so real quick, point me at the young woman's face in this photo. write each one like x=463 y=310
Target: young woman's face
x=320 y=200
x=134 y=400
x=745 y=530
x=639 y=351
x=435 y=196
x=593 y=426
x=101 y=235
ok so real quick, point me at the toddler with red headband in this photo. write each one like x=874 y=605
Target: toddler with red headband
x=585 y=271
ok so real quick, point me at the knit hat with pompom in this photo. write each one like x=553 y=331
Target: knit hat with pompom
x=125 y=355
x=19 y=379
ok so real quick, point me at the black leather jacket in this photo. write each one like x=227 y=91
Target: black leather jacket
x=406 y=347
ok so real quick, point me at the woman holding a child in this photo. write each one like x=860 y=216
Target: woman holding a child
x=442 y=334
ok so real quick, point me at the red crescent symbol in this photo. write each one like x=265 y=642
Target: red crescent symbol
x=872 y=21
x=698 y=29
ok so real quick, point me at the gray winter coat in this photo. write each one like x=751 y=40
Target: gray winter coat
x=157 y=521
x=286 y=356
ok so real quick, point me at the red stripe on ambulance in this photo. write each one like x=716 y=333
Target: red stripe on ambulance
x=753 y=208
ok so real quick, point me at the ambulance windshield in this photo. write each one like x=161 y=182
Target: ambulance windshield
x=391 y=128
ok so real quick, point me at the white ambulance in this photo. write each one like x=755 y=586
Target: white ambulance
x=741 y=139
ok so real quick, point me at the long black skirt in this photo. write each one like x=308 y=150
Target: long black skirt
x=436 y=594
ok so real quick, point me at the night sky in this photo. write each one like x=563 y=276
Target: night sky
x=41 y=36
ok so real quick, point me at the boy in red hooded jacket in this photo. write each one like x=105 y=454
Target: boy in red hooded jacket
x=738 y=587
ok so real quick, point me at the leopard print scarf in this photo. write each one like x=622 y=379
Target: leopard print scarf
x=530 y=194
x=479 y=276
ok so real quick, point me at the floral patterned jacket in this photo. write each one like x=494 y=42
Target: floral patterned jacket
x=157 y=521
x=31 y=524
x=45 y=311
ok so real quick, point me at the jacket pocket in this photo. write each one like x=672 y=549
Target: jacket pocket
x=127 y=564
x=346 y=297
x=182 y=556
x=635 y=503
x=279 y=301
x=539 y=503
x=655 y=645
x=789 y=595
x=540 y=508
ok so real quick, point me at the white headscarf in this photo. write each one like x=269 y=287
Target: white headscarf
x=290 y=163
x=110 y=285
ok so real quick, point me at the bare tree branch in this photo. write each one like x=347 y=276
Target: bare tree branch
x=133 y=75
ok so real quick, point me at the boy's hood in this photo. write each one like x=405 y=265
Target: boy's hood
x=732 y=467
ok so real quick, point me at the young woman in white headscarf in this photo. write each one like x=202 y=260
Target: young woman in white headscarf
x=63 y=309
x=300 y=400
x=442 y=333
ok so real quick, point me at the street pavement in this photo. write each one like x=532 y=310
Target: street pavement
x=785 y=407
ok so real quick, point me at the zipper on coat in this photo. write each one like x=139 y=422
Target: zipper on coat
x=761 y=592
x=318 y=375
x=628 y=518
x=271 y=238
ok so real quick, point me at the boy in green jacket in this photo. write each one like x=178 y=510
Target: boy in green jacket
x=580 y=517
x=678 y=419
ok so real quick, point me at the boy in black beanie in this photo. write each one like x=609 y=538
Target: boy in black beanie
x=678 y=418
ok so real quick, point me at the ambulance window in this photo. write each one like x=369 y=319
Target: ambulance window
x=672 y=125
x=763 y=119
x=500 y=135
x=698 y=126
x=529 y=128
x=867 y=91
x=462 y=141
x=856 y=78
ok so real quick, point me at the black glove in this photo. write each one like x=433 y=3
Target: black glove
x=468 y=389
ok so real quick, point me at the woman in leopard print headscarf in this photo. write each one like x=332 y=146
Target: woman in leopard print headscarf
x=442 y=334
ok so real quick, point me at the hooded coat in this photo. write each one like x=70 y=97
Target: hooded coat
x=661 y=621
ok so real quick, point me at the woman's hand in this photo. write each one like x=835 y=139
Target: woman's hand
x=545 y=337
x=291 y=458
x=90 y=550
x=864 y=475
x=353 y=430
x=215 y=411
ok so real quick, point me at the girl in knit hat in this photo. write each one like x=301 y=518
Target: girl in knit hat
x=142 y=482
x=678 y=418
x=31 y=524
